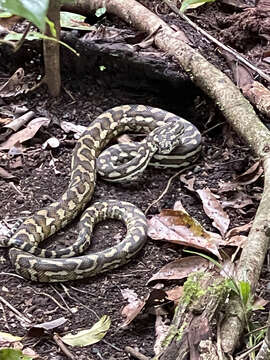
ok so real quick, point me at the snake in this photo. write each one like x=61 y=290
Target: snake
x=171 y=141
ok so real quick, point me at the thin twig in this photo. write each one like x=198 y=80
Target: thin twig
x=24 y=318
x=224 y=47
x=61 y=297
x=4 y=316
x=167 y=187
x=136 y=353
x=213 y=127
x=53 y=299
x=111 y=345
x=249 y=351
x=258 y=329
x=77 y=301
x=70 y=95
x=18 y=191
x=63 y=347
x=11 y=274
x=79 y=290
x=20 y=42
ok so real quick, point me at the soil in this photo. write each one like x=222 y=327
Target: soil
x=41 y=175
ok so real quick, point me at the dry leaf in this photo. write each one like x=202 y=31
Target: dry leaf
x=6 y=339
x=5 y=174
x=214 y=210
x=17 y=123
x=25 y=134
x=3 y=230
x=227 y=186
x=238 y=230
x=251 y=175
x=14 y=85
x=136 y=306
x=178 y=227
x=259 y=303
x=38 y=329
x=228 y=268
x=30 y=352
x=89 y=336
x=133 y=308
x=237 y=240
x=175 y=293
x=189 y=183
x=238 y=201
x=178 y=206
x=17 y=149
x=181 y=268
x=16 y=162
x=70 y=127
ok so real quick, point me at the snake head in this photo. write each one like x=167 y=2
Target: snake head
x=168 y=136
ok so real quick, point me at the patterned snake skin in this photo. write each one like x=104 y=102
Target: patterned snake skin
x=172 y=140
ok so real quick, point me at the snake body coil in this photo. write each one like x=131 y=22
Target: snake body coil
x=166 y=131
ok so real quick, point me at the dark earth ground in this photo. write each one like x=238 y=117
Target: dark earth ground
x=224 y=157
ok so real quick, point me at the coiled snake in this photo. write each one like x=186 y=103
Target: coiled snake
x=172 y=140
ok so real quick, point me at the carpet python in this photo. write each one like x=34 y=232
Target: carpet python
x=172 y=141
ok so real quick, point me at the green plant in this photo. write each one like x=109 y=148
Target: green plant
x=243 y=290
x=45 y=14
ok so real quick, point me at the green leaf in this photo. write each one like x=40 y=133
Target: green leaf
x=89 y=336
x=99 y=12
x=233 y=286
x=13 y=36
x=245 y=291
x=191 y=4
x=5 y=14
x=12 y=354
x=33 y=10
x=32 y=35
x=74 y=21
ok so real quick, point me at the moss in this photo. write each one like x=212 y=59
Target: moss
x=180 y=332
x=169 y=337
x=192 y=288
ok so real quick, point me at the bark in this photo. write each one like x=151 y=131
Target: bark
x=237 y=111
x=250 y=265
x=259 y=95
x=190 y=334
x=152 y=68
x=51 y=51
